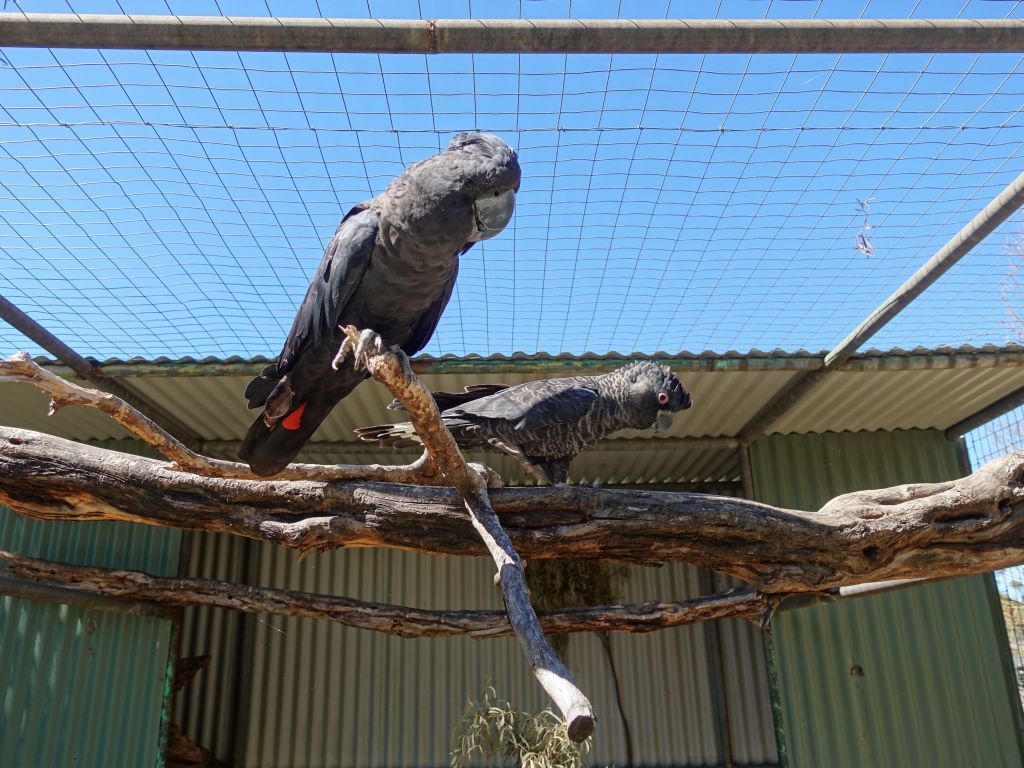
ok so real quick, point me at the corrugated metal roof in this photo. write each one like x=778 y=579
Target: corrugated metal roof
x=919 y=389
x=754 y=358
x=914 y=399
x=800 y=358
x=910 y=678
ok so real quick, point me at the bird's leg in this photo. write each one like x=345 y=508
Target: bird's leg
x=403 y=361
x=531 y=469
x=368 y=340
x=557 y=471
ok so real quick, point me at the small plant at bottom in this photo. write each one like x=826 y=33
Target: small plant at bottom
x=502 y=736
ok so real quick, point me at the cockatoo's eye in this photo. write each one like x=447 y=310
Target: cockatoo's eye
x=663 y=398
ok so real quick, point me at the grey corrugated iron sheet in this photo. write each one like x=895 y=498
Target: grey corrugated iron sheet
x=346 y=697
x=732 y=359
x=933 y=398
x=916 y=389
x=910 y=678
x=206 y=708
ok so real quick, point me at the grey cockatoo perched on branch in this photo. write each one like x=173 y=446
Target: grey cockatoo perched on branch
x=391 y=268
x=544 y=424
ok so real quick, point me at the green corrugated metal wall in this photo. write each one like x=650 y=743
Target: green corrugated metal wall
x=917 y=677
x=81 y=687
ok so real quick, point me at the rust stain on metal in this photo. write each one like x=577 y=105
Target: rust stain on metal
x=431 y=35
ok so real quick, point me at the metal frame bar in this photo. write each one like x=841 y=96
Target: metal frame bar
x=21 y=322
x=89 y=370
x=1004 y=205
x=46 y=30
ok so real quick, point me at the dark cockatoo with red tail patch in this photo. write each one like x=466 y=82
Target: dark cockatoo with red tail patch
x=389 y=268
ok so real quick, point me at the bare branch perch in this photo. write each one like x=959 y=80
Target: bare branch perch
x=63 y=392
x=394 y=619
x=389 y=369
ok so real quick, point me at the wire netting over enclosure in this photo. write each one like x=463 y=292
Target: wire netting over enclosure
x=176 y=202
x=998 y=437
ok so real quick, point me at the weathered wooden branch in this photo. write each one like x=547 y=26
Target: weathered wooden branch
x=441 y=452
x=394 y=372
x=398 y=620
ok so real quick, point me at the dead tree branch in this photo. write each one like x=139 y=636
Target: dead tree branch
x=551 y=673
x=398 y=620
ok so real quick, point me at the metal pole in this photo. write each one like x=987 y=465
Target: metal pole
x=992 y=215
x=88 y=370
x=877 y=587
x=1001 y=406
x=26 y=325
x=53 y=30
x=746 y=471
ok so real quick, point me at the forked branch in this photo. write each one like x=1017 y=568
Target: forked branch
x=63 y=393
x=392 y=371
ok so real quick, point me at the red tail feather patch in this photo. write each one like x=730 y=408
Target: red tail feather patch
x=294 y=419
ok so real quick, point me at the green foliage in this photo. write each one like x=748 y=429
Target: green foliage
x=502 y=736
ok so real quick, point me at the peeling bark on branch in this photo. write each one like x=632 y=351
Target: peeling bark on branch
x=970 y=525
x=442 y=453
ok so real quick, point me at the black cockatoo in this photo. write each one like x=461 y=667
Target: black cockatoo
x=390 y=267
x=545 y=423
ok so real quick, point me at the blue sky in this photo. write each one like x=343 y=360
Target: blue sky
x=176 y=203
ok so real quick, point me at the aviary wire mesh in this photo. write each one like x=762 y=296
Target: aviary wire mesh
x=998 y=437
x=176 y=203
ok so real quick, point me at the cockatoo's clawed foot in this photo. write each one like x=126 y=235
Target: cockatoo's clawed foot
x=403 y=361
x=359 y=344
x=491 y=478
x=369 y=342
x=343 y=350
